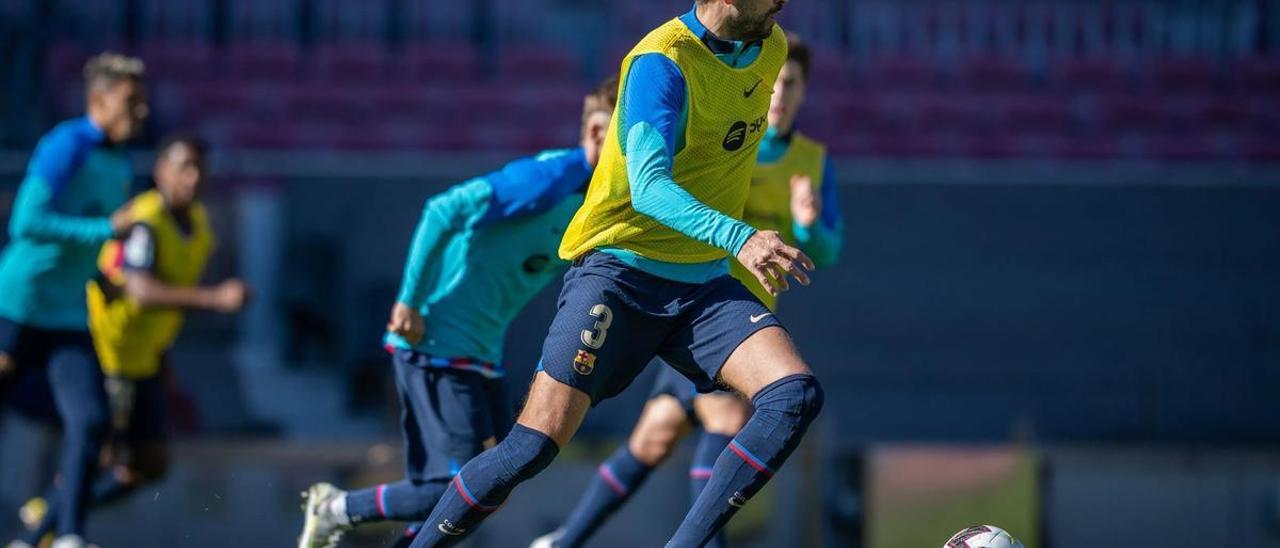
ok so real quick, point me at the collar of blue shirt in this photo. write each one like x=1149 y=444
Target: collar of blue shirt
x=717 y=45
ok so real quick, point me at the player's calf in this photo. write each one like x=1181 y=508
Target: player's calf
x=552 y=414
x=484 y=483
x=783 y=411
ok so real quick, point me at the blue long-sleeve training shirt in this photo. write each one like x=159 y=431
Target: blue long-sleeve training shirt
x=483 y=249
x=74 y=181
x=654 y=113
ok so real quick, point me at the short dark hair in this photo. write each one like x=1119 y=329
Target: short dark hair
x=106 y=69
x=799 y=52
x=190 y=140
x=602 y=99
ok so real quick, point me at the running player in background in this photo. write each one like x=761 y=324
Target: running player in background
x=651 y=247
x=481 y=251
x=793 y=193
x=78 y=175
x=136 y=308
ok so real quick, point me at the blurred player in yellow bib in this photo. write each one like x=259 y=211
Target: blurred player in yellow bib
x=136 y=308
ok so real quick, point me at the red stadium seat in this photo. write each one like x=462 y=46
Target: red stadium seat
x=1040 y=112
x=910 y=145
x=443 y=62
x=266 y=62
x=1184 y=74
x=995 y=73
x=1181 y=148
x=187 y=61
x=1090 y=73
x=65 y=60
x=1086 y=147
x=329 y=102
x=232 y=98
x=537 y=63
x=898 y=73
x=1262 y=149
x=1261 y=74
x=996 y=145
x=1225 y=112
x=348 y=63
x=938 y=111
x=1136 y=112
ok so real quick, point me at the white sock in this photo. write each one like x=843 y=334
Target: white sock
x=338 y=507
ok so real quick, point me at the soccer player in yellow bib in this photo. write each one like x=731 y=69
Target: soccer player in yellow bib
x=136 y=308
x=793 y=193
x=651 y=247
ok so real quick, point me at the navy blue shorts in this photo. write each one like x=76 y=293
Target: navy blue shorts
x=56 y=373
x=446 y=415
x=613 y=319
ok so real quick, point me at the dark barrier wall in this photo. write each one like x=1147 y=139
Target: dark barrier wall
x=956 y=313
x=1059 y=313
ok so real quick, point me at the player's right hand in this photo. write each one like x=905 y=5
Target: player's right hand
x=771 y=260
x=406 y=322
x=6 y=365
x=230 y=296
x=122 y=220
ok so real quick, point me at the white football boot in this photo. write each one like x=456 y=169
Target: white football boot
x=322 y=528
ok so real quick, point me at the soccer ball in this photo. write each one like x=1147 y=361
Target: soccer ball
x=983 y=536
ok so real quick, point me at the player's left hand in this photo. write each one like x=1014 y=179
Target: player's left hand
x=6 y=364
x=406 y=322
x=771 y=260
x=806 y=204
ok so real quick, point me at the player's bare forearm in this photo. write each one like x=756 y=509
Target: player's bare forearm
x=150 y=292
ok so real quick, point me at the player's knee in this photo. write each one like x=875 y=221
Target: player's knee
x=800 y=396
x=526 y=452
x=728 y=422
x=652 y=446
x=661 y=426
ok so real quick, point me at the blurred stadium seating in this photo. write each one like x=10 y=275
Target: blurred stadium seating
x=928 y=78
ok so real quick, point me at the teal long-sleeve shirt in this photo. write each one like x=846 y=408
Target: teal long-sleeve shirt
x=74 y=181
x=483 y=249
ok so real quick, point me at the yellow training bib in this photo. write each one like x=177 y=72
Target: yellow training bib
x=726 y=120
x=130 y=339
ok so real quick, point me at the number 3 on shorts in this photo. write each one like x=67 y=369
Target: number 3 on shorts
x=601 y=330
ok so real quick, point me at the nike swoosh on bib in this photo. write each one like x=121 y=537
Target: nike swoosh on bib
x=747 y=93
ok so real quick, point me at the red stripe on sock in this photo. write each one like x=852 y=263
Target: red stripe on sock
x=752 y=462
x=466 y=497
x=612 y=481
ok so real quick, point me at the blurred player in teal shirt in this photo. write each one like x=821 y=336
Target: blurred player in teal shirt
x=481 y=251
x=78 y=176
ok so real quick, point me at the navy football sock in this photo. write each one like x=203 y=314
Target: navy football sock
x=710 y=445
x=783 y=411
x=400 y=501
x=484 y=483
x=406 y=538
x=615 y=480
